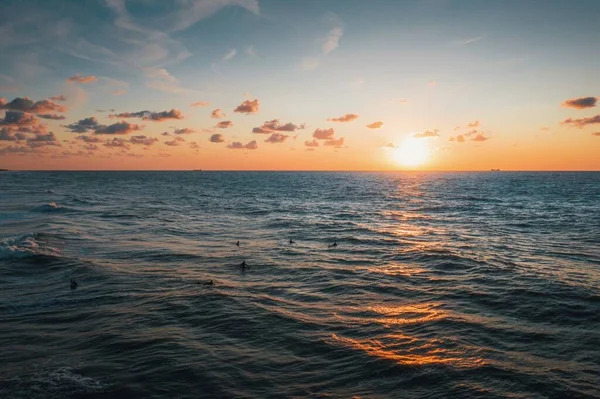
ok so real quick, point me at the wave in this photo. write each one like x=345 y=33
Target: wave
x=50 y=207
x=25 y=245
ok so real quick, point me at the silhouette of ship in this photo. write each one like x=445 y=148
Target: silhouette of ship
x=495 y=170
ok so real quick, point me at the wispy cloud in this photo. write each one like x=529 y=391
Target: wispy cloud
x=464 y=42
x=236 y=145
x=344 y=118
x=582 y=122
x=230 y=54
x=332 y=41
x=200 y=104
x=81 y=79
x=375 y=125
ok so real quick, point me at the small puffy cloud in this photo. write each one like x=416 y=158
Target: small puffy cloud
x=90 y=147
x=335 y=142
x=582 y=121
x=472 y=133
x=480 y=137
x=60 y=98
x=185 y=130
x=274 y=126
x=391 y=145
x=81 y=79
x=83 y=125
x=426 y=133
x=313 y=143
x=42 y=140
x=224 y=124
x=194 y=145
x=89 y=139
x=345 y=118
x=54 y=117
x=580 y=103
x=218 y=114
x=459 y=139
x=323 y=134
x=143 y=140
x=122 y=127
x=25 y=104
x=375 y=125
x=200 y=104
x=431 y=83
x=165 y=134
x=332 y=40
x=236 y=145
x=276 y=138
x=473 y=124
x=18 y=118
x=248 y=107
x=117 y=143
x=19 y=150
x=216 y=138
x=175 y=142
x=7 y=134
x=151 y=116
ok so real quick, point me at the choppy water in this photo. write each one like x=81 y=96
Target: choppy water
x=471 y=285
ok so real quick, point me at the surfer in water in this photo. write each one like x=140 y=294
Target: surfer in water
x=243 y=266
x=291 y=241
x=237 y=243
x=209 y=282
x=73 y=284
x=333 y=245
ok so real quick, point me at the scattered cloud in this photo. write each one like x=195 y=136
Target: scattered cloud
x=391 y=145
x=175 y=142
x=143 y=140
x=332 y=41
x=42 y=140
x=194 y=145
x=25 y=104
x=83 y=125
x=230 y=54
x=459 y=139
x=117 y=143
x=60 y=98
x=464 y=42
x=309 y=63
x=89 y=139
x=122 y=127
x=581 y=102
x=77 y=78
x=151 y=116
x=7 y=134
x=248 y=107
x=596 y=134
x=118 y=92
x=323 y=134
x=582 y=121
x=337 y=143
x=236 y=145
x=185 y=130
x=250 y=51
x=345 y=118
x=313 y=143
x=218 y=114
x=54 y=117
x=18 y=118
x=427 y=133
x=216 y=138
x=276 y=138
x=161 y=79
x=200 y=104
x=224 y=124
x=480 y=137
x=375 y=125
x=473 y=124
x=274 y=126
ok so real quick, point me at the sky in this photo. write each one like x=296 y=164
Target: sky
x=299 y=85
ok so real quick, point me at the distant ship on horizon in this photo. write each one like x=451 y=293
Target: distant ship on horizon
x=495 y=170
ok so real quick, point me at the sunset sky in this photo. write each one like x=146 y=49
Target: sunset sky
x=300 y=85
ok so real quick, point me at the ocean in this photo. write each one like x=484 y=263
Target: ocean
x=442 y=285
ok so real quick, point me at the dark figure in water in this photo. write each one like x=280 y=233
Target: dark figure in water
x=237 y=243
x=209 y=282
x=243 y=266
x=291 y=241
x=333 y=245
x=73 y=284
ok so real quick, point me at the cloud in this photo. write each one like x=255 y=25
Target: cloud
x=54 y=117
x=151 y=116
x=25 y=104
x=118 y=92
x=81 y=79
x=117 y=143
x=42 y=140
x=332 y=40
x=480 y=137
x=391 y=145
x=185 y=130
x=60 y=98
x=165 y=134
x=309 y=63
x=337 y=143
x=313 y=143
x=224 y=124
x=15 y=150
x=464 y=42
x=582 y=122
x=230 y=54
x=580 y=103
x=122 y=127
x=143 y=140
x=375 y=125
x=427 y=133
x=345 y=118
x=459 y=139
x=90 y=147
x=473 y=124
x=216 y=138
x=250 y=51
x=218 y=114
x=323 y=134
x=194 y=145
x=161 y=79
x=18 y=118
x=200 y=104
x=248 y=107
x=274 y=126
x=89 y=139
x=175 y=142
x=236 y=145
x=7 y=134
x=596 y=134
x=431 y=83
x=277 y=138
x=83 y=125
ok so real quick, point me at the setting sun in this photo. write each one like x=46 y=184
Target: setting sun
x=412 y=152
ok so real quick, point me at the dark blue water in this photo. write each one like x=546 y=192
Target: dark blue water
x=470 y=285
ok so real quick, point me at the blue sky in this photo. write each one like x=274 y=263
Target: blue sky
x=415 y=65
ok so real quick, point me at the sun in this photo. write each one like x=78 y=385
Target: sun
x=412 y=152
